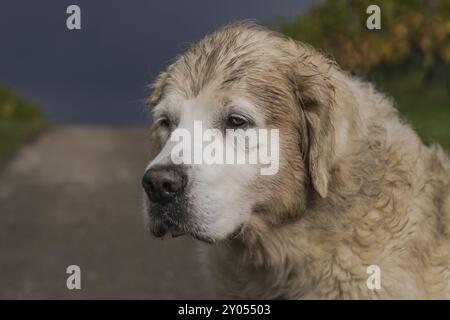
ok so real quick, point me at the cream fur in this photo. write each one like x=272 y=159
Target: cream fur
x=356 y=186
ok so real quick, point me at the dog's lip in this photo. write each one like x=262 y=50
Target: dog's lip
x=175 y=231
x=202 y=238
x=161 y=226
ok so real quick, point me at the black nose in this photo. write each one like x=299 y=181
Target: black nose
x=164 y=183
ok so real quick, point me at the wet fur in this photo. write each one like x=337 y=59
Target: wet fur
x=356 y=186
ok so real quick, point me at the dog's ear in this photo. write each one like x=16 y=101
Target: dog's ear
x=314 y=94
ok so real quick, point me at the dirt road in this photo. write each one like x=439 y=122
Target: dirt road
x=73 y=197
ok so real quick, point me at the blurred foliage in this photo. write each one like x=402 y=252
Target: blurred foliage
x=19 y=121
x=411 y=31
x=15 y=108
x=409 y=58
x=425 y=104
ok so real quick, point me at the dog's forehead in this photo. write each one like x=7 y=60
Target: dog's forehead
x=210 y=102
x=236 y=66
x=176 y=102
x=225 y=57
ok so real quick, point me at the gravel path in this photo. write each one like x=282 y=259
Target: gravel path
x=73 y=197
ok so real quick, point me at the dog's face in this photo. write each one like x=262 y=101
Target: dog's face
x=213 y=200
x=241 y=78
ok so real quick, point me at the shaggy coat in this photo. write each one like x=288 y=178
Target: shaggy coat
x=356 y=185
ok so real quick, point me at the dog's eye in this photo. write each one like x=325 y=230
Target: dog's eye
x=163 y=122
x=235 y=121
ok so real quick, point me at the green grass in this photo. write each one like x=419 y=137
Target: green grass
x=20 y=120
x=425 y=103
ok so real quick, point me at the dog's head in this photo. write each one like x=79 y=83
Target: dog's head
x=242 y=77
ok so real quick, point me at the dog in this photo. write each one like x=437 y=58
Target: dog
x=356 y=189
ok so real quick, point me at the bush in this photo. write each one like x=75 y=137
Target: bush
x=19 y=121
x=409 y=58
x=16 y=109
x=414 y=31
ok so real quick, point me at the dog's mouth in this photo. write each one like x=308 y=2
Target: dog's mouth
x=162 y=225
x=175 y=230
x=165 y=225
x=165 y=221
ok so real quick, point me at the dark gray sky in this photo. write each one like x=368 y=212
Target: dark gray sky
x=98 y=74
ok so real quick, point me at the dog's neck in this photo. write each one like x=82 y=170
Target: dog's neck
x=272 y=259
x=301 y=249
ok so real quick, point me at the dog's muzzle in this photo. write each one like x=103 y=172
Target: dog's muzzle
x=165 y=186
